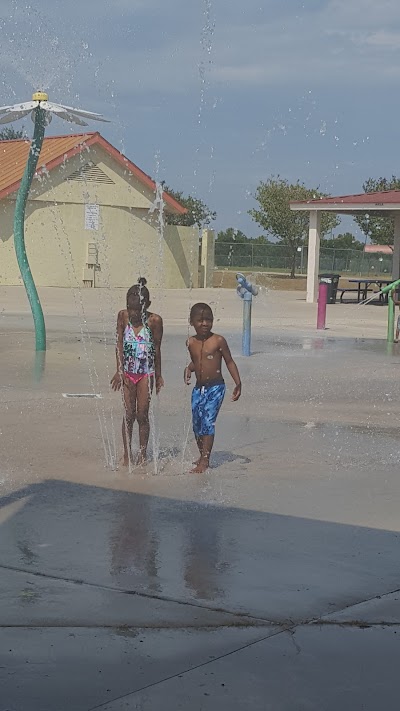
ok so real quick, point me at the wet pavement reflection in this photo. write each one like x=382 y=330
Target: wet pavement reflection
x=262 y=564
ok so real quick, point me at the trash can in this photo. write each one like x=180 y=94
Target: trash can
x=333 y=282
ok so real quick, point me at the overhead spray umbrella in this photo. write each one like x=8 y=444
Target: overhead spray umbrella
x=41 y=110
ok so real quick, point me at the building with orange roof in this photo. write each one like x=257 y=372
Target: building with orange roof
x=92 y=219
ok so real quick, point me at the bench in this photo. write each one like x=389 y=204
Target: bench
x=343 y=291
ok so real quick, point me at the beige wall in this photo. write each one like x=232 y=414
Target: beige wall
x=128 y=242
x=127 y=246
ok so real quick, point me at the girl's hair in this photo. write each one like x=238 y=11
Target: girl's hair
x=199 y=309
x=139 y=289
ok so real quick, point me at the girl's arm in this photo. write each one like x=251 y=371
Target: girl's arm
x=117 y=379
x=232 y=368
x=157 y=331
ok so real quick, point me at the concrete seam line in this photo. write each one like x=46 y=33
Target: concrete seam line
x=191 y=669
x=162 y=598
x=322 y=618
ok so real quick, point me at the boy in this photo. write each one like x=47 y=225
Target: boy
x=206 y=350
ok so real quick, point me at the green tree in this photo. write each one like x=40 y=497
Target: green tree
x=231 y=245
x=289 y=227
x=231 y=235
x=342 y=241
x=9 y=133
x=380 y=230
x=197 y=211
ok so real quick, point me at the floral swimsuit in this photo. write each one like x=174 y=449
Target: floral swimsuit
x=138 y=353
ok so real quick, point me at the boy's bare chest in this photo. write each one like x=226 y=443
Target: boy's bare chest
x=205 y=350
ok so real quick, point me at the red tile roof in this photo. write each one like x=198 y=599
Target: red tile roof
x=378 y=249
x=56 y=150
x=386 y=197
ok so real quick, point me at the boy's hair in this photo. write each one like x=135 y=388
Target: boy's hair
x=139 y=289
x=198 y=309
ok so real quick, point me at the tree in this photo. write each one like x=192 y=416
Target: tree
x=230 y=245
x=231 y=235
x=342 y=241
x=289 y=227
x=380 y=230
x=9 y=133
x=197 y=211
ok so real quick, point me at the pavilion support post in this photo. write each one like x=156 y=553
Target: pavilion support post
x=396 y=248
x=314 y=236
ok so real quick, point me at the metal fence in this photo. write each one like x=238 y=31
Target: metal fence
x=276 y=258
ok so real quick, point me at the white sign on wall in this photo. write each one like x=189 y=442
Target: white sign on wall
x=92 y=214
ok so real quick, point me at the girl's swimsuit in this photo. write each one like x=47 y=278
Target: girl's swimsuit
x=138 y=353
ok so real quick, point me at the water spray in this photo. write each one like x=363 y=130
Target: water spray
x=246 y=290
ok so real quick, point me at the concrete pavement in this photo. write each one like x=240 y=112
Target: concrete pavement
x=268 y=583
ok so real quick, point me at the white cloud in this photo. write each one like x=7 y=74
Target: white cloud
x=330 y=41
x=381 y=39
x=340 y=42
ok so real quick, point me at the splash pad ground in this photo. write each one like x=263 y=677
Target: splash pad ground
x=269 y=580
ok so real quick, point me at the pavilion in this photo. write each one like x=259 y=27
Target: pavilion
x=381 y=204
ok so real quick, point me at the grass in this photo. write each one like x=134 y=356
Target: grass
x=281 y=281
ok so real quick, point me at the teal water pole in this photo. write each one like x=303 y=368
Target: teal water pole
x=19 y=228
x=246 y=290
x=390 y=325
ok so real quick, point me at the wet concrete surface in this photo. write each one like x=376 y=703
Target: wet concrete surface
x=308 y=669
x=81 y=669
x=271 y=567
x=156 y=589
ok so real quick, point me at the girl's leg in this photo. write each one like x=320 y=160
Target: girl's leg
x=129 y=395
x=144 y=388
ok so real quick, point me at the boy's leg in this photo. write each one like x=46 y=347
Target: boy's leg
x=199 y=442
x=129 y=395
x=215 y=396
x=196 y=420
x=144 y=389
x=203 y=463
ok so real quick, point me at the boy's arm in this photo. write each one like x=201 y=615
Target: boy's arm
x=188 y=372
x=157 y=331
x=232 y=368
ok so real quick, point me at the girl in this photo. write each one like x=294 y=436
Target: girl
x=139 y=335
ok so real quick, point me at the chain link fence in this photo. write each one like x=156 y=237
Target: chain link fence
x=276 y=258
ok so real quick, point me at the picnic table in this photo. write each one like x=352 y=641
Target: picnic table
x=364 y=286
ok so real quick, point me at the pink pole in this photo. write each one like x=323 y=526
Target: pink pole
x=322 y=301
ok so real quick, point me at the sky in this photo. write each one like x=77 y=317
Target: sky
x=214 y=96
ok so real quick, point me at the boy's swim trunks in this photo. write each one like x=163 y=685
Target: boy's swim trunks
x=206 y=403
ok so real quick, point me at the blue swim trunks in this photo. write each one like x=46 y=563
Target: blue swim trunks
x=206 y=403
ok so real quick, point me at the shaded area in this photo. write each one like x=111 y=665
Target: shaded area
x=95 y=573
x=307 y=670
x=265 y=565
